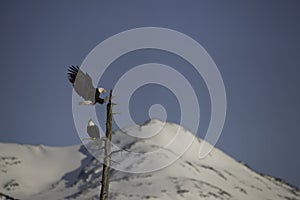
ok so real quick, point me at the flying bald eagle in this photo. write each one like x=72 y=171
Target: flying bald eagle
x=83 y=85
x=93 y=130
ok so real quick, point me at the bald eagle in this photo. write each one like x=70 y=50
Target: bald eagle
x=93 y=130
x=83 y=85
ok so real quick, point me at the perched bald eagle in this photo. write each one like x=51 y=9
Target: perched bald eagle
x=83 y=85
x=93 y=130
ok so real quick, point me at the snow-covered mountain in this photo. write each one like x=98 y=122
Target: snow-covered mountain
x=40 y=172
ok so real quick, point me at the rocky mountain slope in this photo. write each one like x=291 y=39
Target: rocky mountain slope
x=40 y=172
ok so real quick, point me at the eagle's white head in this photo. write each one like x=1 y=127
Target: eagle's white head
x=91 y=123
x=101 y=90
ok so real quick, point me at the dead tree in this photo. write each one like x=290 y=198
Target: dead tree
x=107 y=153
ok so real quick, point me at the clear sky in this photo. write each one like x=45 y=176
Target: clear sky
x=255 y=44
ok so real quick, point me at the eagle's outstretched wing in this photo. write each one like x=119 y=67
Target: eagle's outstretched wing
x=82 y=83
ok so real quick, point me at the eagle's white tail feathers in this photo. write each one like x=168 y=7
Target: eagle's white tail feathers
x=86 y=103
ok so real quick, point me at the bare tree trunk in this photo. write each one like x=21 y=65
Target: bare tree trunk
x=106 y=160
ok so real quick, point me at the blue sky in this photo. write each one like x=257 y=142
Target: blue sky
x=255 y=45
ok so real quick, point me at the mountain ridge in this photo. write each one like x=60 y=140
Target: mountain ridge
x=216 y=177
